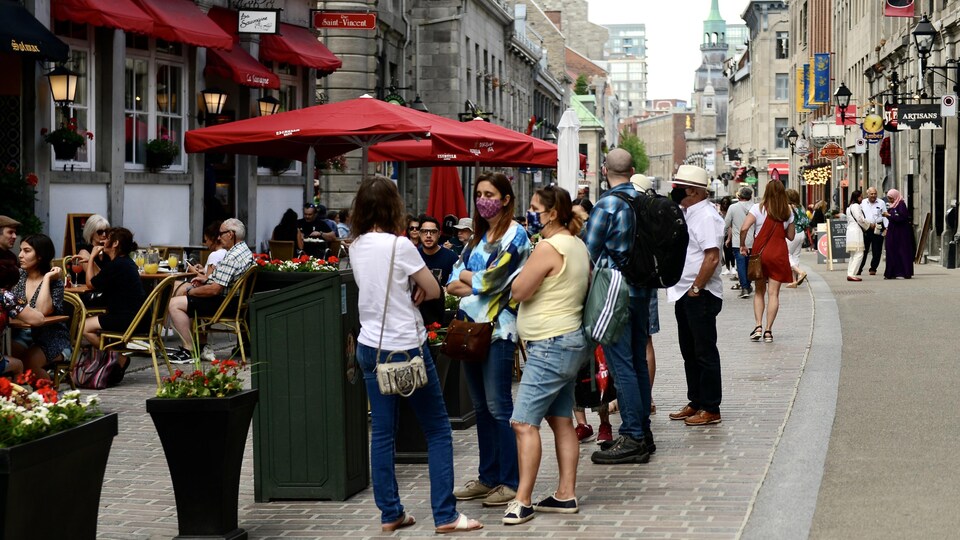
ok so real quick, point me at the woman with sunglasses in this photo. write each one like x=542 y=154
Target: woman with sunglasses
x=94 y=234
x=482 y=278
x=413 y=229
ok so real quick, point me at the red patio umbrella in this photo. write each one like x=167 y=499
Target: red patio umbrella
x=331 y=129
x=446 y=194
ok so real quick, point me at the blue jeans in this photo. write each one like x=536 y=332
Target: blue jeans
x=742 y=270
x=697 y=333
x=489 y=383
x=627 y=361
x=427 y=403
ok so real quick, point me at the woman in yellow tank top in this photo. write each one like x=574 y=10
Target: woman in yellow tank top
x=551 y=289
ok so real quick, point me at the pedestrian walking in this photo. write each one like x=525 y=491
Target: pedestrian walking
x=551 y=289
x=729 y=257
x=856 y=223
x=698 y=299
x=390 y=287
x=899 y=238
x=795 y=245
x=734 y=219
x=609 y=237
x=774 y=224
x=482 y=278
x=873 y=209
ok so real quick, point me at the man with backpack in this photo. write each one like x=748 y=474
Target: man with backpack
x=609 y=237
x=699 y=297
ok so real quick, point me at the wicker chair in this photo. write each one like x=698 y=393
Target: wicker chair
x=231 y=316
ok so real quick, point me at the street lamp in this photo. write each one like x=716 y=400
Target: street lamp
x=843 y=95
x=419 y=105
x=268 y=105
x=550 y=137
x=924 y=35
x=792 y=137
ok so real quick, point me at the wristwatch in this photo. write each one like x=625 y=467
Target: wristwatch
x=695 y=289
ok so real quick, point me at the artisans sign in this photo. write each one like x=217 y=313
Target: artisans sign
x=926 y=116
x=345 y=20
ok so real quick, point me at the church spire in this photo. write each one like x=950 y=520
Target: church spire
x=714 y=11
x=714 y=28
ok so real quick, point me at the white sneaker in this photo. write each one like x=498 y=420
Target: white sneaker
x=138 y=345
x=207 y=354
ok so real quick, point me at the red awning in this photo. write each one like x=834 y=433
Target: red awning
x=183 y=22
x=782 y=168
x=298 y=46
x=122 y=14
x=238 y=66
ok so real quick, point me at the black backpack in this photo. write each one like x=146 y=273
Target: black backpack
x=659 y=247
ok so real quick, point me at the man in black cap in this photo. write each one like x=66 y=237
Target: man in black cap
x=8 y=237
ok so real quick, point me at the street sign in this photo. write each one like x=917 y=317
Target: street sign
x=831 y=151
x=948 y=105
x=344 y=20
x=861 y=146
x=802 y=148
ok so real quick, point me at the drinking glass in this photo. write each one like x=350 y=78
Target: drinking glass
x=172 y=261
x=152 y=263
x=140 y=258
x=76 y=268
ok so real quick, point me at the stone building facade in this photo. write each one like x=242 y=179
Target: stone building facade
x=663 y=135
x=572 y=17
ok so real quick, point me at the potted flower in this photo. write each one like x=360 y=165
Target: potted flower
x=19 y=195
x=66 y=139
x=336 y=163
x=161 y=153
x=51 y=441
x=276 y=274
x=202 y=419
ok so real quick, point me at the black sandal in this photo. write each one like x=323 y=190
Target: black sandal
x=768 y=337
x=757 y=333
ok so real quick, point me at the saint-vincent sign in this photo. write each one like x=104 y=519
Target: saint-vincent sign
x=345 y=20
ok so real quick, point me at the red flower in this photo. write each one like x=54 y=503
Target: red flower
x=89 y=135
x=431 y=336
x=434 y=326
x=333 y=259
x=48 y=394
x=275 y=261
x=32 y=179
x=6 y=387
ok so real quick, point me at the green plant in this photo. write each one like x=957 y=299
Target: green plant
x=336 y=163
x=631 y=143
x=164 y=146
x=36 y=410
x=220 y=380
x=303 y=263
x=582 y=86
x=451 y=301
x=19 y=195
x=66 y=134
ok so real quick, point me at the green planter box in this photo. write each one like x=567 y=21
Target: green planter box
x=310 y=429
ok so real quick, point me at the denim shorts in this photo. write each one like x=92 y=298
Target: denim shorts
x=546 y=388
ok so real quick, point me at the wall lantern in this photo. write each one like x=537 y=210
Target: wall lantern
x=213 y=101
x=843 y=95
x=268 y=105
x=792 y=137
x=63 y=86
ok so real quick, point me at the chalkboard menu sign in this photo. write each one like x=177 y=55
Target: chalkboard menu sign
x=837 y=245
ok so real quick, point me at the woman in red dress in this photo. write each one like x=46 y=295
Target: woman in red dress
x=774 y=226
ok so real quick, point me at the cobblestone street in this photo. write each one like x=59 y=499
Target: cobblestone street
x=701 y=483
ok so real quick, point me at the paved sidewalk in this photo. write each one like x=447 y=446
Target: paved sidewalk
x=701 y=483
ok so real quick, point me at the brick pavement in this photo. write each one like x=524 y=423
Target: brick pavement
x=700 y=484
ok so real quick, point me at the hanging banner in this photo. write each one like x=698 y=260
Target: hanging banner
x=924 y=116
x=898 y=8
x=849 y=116
x=890 y=117
x=821 y=78
x=801 y=103
x=808 y=89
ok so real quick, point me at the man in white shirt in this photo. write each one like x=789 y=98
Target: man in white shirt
x=699 y=298
x=873 y=209
x=736 y=214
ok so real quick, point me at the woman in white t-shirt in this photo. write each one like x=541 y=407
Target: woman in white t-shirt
x=378 y=220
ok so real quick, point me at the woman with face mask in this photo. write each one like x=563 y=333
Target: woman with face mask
x=482 y=278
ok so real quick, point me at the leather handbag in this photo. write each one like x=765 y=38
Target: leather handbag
x=468 y=341
x=401 y=378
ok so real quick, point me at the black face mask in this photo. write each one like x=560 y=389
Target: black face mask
x=678 y=194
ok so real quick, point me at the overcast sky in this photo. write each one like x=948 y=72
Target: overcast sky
x=674 y=29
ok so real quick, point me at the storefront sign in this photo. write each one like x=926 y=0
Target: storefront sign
x=258 y=21
x=20 y=46
x=831 y=151
x=344 y=20
x=898 y=8
x=802 y=148
x=919 y=117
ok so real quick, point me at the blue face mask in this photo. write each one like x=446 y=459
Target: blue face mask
x=533 y=223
